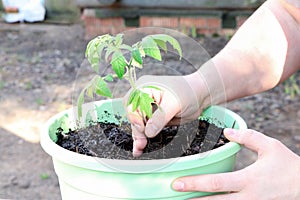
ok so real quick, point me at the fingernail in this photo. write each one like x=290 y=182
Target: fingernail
x=178 y=185
x=230 y=131
x=136 y=152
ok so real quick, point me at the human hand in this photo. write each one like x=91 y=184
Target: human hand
x=275 y=174
x=177 y=100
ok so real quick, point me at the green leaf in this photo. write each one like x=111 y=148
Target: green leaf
x=167 y=38
x=142 y=52
x=126 y=47
x=94 y=61
x=118 y=64
x=100 y=49
x=109 y=51
x=80 y=101
x=90 y=91
x=101 y=88
x=150 y=48
x=90 y=48
x=145 y=104
x=135 y=64
x=92 y=53
x=161 y=44
x=109 y=77
x=119 y=39
x=134 y=99
x=137 y=56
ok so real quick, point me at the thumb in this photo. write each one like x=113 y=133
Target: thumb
x=168 y=108
x=159 y=120
x=252 y=139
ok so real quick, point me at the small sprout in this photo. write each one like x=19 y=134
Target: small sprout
x=194 y=32
x=111 y=49
x=44 y=176
x=28 y=85
x=291 y=87
x=39 y=101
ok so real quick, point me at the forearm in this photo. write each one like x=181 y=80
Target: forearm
x=263 y=52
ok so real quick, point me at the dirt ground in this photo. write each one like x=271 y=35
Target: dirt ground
x=38 y=66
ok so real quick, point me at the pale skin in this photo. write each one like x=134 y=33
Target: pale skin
x=263 y=53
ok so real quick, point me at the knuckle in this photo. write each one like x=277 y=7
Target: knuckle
x=276 y=144
x=216 y=183
x=249 y=134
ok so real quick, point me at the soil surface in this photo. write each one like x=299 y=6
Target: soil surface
x=38 y=67
x=114 y=141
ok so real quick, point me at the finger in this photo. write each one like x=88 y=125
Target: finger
x=223 y=182
x=168 y=108
x=139 y=142
x=136 y=121
x=253 y=140
x=139 y=138
x=228 y=196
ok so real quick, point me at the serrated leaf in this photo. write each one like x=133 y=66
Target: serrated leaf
x=101 y=88
x=118 y=64
x=134 y=100
x=146 y=104
x=161 y=44
x=109 y=51
x=167 y=38
x=126 y=47
x=100 y=49
x=94 y=61
x=119 y=39
x=89 y=48
x=150 y=48
x=131 y=97
x=80 y=101
x=136 y=55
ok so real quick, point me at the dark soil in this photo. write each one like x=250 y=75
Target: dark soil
x=109 y=140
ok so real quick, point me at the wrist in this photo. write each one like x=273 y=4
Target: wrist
x=200 y=88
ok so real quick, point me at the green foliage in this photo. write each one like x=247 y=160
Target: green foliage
x=44 y=176
x=28 y=85
x=111 y=49
x=142 y=101
x=194 y=32
x=39 y=101
x=291 y=86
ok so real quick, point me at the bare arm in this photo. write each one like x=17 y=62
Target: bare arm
x=264 y=52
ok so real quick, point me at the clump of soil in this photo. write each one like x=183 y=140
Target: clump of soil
x=109 y=140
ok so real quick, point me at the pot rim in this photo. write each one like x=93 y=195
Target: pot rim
x=138 y=166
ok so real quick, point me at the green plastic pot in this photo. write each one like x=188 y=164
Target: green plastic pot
x=89 y=178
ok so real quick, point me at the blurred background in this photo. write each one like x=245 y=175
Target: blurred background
x=42 y=45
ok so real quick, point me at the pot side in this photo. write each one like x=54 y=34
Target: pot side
x=90 y=178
